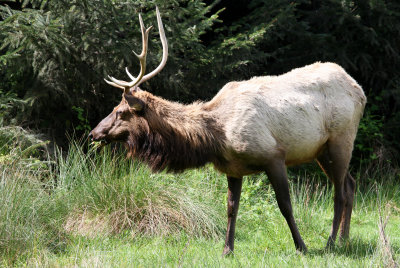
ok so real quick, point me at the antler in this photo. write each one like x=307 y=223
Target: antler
x=142 y=58
x=165 y=50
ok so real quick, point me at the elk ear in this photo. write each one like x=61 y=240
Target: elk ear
x=135 y=89
x=134 y=103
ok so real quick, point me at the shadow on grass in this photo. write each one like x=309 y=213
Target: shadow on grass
x=354 y=248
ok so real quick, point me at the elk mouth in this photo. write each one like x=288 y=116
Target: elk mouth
x=99 y=143
x=102 y=140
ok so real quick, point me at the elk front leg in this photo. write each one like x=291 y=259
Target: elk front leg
x=276 y=173
x=234 y=190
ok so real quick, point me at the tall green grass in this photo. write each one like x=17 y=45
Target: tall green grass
x=97 y=194
x=119 y=194
x=30 y=218
x=96 y=208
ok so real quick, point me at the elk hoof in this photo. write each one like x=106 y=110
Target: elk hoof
x=344 y=238
x=302 y=249
x=227 y=252
x=330 y=245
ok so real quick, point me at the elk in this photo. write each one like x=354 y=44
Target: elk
x=260 y=125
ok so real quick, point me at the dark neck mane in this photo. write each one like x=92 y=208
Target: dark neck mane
x=175 y=137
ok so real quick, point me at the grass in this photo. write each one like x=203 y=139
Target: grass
x=121 y=195
x=97 y=209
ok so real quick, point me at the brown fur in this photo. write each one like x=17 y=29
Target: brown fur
x=172 y=136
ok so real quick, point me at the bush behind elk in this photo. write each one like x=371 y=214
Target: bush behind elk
x=260 y=125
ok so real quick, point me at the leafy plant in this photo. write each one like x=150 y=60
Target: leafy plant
x=83 y=121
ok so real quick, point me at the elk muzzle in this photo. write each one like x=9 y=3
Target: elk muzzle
x=101 y=131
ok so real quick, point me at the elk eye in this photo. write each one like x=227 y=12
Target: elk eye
x=118 y=113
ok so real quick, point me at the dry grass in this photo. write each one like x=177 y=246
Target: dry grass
x=384 y=246
x=86 y=224
x=160 y=213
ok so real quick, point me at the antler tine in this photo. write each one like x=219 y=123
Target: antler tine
x=119 y=82
x=128 y=73
x=142 y=59
x=165 y=50
x=114 y=85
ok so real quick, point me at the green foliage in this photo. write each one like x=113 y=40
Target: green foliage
x=18 y=146
x=370 y=136
x=10 y=105
x=258 y=201
x=246 y=46
x=83 y=121
x=56 y=53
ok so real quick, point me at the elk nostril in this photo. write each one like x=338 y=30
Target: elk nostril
x=90 y=136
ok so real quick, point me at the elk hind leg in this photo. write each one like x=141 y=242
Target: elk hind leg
x=334 y=160
x=350 y=187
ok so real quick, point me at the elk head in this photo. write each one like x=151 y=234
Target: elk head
x=127 y=116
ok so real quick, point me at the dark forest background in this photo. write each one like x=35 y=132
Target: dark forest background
x=55 y=54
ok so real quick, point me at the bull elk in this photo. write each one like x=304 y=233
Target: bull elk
x=260 y=125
